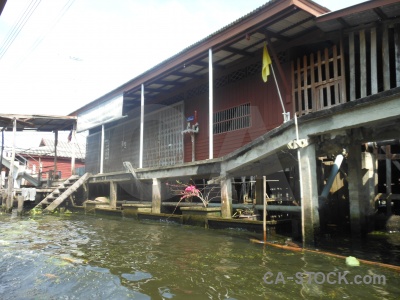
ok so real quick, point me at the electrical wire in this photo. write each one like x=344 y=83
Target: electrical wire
x=12 y=35
x=40 y=39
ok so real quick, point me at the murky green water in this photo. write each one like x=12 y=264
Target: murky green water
x=83 y=257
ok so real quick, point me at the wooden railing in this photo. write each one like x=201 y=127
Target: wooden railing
x=325 y=79
x=318 y=81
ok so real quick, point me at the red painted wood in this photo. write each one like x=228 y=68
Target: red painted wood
x=266 y=114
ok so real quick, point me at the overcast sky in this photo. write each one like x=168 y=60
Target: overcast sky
x=67 y=53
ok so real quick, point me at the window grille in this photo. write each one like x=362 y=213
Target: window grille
x=232 y=119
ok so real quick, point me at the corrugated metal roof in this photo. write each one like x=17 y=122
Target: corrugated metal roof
x=64 y=149
x=37 y=122
x=363 y=13
x=281 y=20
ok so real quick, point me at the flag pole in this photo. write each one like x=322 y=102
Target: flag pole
x=267 y=62
x=280 y=96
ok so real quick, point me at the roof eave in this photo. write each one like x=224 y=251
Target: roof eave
x=216 y=40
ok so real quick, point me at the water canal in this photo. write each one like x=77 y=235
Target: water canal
x=85 y=257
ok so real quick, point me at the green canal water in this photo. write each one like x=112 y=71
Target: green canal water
x=85 y=257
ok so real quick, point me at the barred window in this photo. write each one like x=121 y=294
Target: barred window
x=232 y=119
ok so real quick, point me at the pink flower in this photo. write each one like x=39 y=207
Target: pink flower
x=190 y=191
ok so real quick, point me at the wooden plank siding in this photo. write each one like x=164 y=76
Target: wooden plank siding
x=374 y=60
x=265 y=107
x=63 y=165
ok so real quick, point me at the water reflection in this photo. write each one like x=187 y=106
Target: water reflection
x=81 y=257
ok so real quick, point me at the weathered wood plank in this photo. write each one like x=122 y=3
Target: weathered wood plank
x=305 y=68
x=73 y=188
x=327 y=77
x=385 y=58
x=374 y=63
x=363 y=65
x=397 y=51
x=300 y=98
x=342 y=74
x=352 y=67
x=312 y=71
x=335 y=76
x=321 y=94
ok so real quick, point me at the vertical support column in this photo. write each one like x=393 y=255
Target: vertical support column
x=156 y=196
x=210 y=106
x=73 y=141
x=113 y=194
x=102 y=149
x=259 y=191
x=226 y=197
x=309 y=187
x=385 y=58
x=10 y=192
x=370 y=184
x=397 y=52
x=374 y=63
x=361 y=179
x=141 y=128
x=55 y=153
x=352 y=67
x=388 y=180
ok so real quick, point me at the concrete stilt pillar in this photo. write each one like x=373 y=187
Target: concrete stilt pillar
x=362 y=185
x=226 y=197
x=113 y=194
x=309 y=206
x=156 y=196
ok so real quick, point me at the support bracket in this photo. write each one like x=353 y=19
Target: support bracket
x=295 y=144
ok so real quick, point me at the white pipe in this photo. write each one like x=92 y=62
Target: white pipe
x=102 y=149
x=141 y=128
x=210 y=105
x=332 y=176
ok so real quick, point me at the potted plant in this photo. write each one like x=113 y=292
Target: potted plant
x=196 y=212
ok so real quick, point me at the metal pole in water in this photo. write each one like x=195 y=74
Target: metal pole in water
x=265 y=208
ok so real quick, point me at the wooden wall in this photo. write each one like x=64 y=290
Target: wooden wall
x=266 y=113
x=63 y=165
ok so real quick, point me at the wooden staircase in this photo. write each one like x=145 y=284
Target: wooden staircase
x=62 y=192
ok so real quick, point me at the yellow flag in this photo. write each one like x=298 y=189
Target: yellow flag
x=265 y=65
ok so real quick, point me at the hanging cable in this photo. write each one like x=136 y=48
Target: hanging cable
x=18 y=27
x=40 y=39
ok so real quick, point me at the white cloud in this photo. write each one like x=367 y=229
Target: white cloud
x=57 y=65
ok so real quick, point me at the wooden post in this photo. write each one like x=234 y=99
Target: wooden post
x=1 y=156
x=73 y=141
x=156 y=196
x=113 y=194
x=388 y=180
x=10 y=193
x=385 y=58
x=226 y=197
x=20 y=209
x=55 y=152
